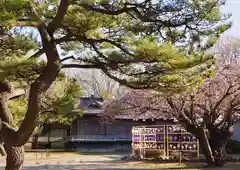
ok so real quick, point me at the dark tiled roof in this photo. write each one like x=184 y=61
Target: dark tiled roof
x=87 y=103
x=90 y=102
x=84 y=102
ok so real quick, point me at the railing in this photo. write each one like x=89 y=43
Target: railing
x=98 y=138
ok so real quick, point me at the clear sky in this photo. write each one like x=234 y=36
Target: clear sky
x=233 y=7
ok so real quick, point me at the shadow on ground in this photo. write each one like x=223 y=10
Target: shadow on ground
x=201 y=166
x=111 y=162
x=77 y=167
x=102 y=166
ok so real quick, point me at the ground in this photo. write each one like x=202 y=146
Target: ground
x=74 y=161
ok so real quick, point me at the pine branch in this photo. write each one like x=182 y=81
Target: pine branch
x=57 y=21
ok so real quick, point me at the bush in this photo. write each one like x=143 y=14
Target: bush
x=57 y=145
x=233 y=146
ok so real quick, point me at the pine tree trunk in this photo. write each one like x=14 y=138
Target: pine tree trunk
x=15 y=139
x=15 y=157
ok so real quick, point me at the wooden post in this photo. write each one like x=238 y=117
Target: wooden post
x=180 y=154
x=167 y=149
x=141 y=145
x=48 y=153
x=180 y=158
x=198 y=148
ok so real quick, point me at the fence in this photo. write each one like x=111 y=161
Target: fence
x=165 y=141
x=100 y=138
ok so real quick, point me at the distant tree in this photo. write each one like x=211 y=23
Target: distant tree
x=94 y=82
x=60 y=101
x=208 y=112
x=150 y=44
x=227 y=50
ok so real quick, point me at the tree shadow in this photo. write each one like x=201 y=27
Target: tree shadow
x=91 y=165
x=94 y=166
x=117 y=165
x=202 y=166
x=188 y=167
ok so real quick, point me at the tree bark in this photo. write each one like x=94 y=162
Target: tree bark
x=206 y=148
x=212 y=141
x=219 y=156
x=15 y=139
x=15 y=157
x=218 y=139
x=204 y=143
x=213 y=145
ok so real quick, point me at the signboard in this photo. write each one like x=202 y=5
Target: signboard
x=179 y=141
x=165 y=139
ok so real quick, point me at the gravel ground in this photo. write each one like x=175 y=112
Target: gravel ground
x=74 y=162
x=66 y=161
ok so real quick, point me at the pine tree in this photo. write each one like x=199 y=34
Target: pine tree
x=57 y=106
x=141 y=44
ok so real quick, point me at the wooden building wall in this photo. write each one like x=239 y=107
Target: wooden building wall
x=91 y=125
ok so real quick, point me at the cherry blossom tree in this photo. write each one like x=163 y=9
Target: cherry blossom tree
x=208 y=112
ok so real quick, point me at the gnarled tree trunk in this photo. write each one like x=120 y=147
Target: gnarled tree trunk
x=212 y=144
x=218 y=139
x=15 y=139
x=204 y=144
x=15 y=157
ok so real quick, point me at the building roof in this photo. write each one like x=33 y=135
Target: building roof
x=91 y=102
x=95 y=106
x=146 y=116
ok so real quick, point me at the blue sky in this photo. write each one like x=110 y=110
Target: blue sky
x=233 y=7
